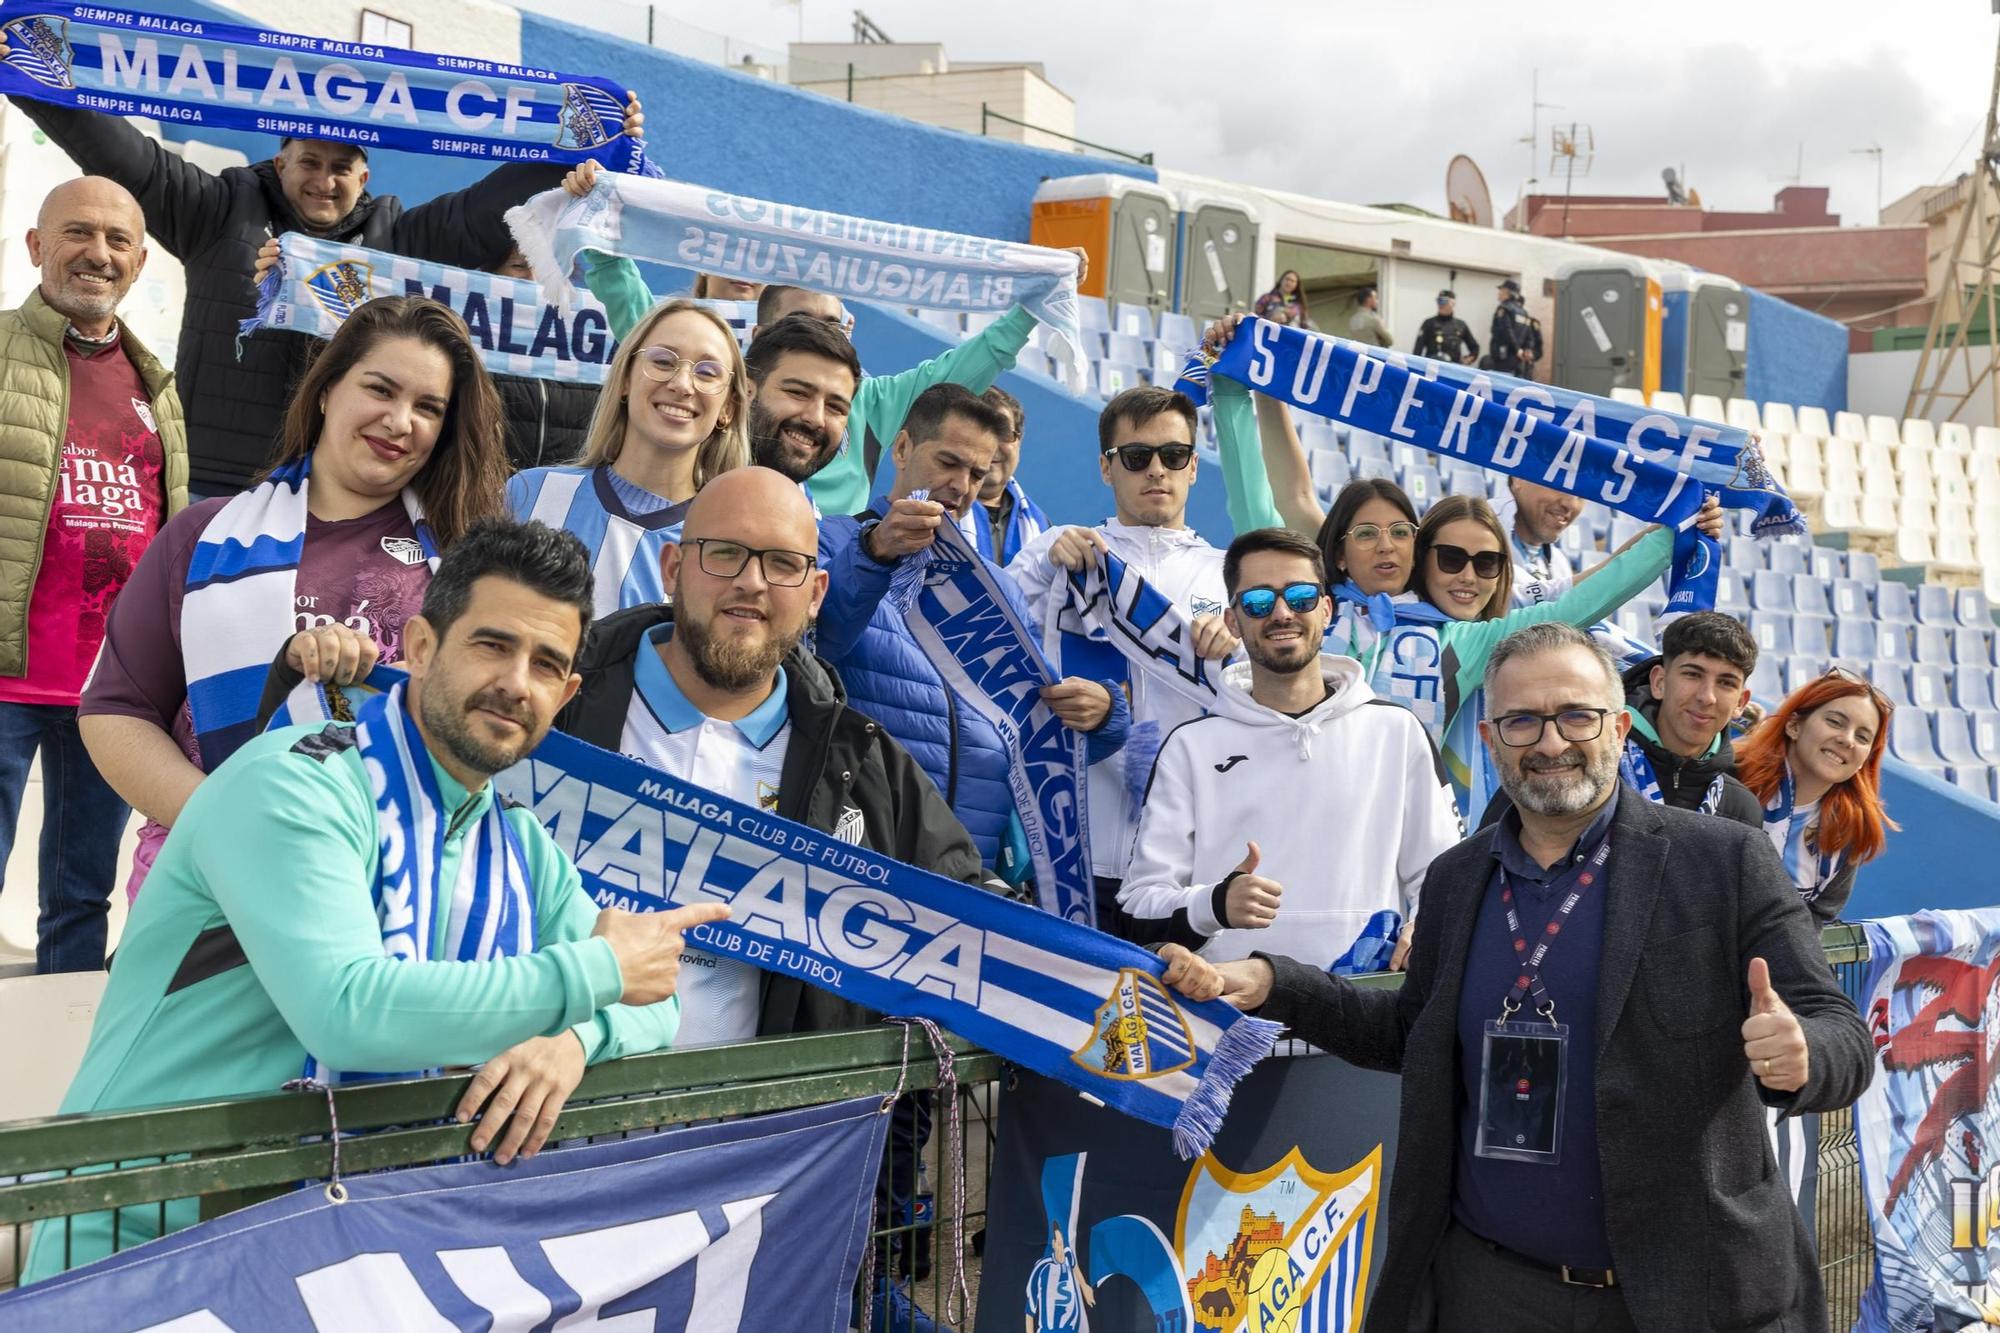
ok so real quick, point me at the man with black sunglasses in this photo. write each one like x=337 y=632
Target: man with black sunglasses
x=1228 y=844
x=1146 y=456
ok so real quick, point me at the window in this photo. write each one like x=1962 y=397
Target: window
x=381 y=30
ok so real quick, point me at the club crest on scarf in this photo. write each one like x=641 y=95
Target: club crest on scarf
x=341 y=286
x=1138 y=1032
x=585 y=112
x=1283 y=1248
x=40 y=49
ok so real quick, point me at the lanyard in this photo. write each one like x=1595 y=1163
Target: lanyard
x=1529 y=983
x=1780 y=813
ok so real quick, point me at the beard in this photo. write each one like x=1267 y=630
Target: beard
x=734 y=664
x=770 y=448
x=448 y=723
x=1565 y=789
x=1284 y=659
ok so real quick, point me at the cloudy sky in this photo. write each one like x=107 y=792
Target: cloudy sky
x=1368 y=103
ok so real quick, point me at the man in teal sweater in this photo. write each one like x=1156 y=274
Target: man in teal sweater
x=258 y=947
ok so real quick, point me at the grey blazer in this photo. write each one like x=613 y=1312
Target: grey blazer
x=1703 y=1231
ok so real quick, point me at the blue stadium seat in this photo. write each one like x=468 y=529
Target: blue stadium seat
x=1809 y=594
x=1972 y=687
x=1092 y=315
x=1853 y=640
x=1863 y=565
x=1798 y=671
x=1933 y=644
x=1372 y=468
x=1850 y=601
x=1598 y=518
x=1786 y=556
x=1765 y=682
x=1770 y=591
x=1732 y=594
x=1115 y=377
x=1466 y=480
x=1972 y=647
x=1809 y=637
x=1910 y=739
x=1954 y=737
x=1423 y=485
x=1745 y=555
x=1892 y=680
x=1178 y=332
x=1974 y=609
x=1934 y=605
x=1136 y=320
x=947 y=322
x=1623 y=529
x=1364 y=444
x=1773 y=632
x=1975 y=778
x=1125 y=348
x=1892 y=642
x=1928 y=688
x=1828 y=563
x=1892 y=603
x=1985 y=734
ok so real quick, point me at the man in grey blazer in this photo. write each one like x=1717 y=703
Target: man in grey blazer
x=1627 y=1183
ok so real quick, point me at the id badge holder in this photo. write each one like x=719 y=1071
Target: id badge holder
x=1521 y=1072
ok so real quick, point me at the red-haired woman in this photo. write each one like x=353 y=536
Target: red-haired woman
x=1816 y=764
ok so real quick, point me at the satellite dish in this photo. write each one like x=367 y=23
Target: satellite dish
x=1466 y=194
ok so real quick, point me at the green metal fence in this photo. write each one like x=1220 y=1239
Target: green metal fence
x=232 y=1152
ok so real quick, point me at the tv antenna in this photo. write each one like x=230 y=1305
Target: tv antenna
x=1569 y=149
x=1534 y=139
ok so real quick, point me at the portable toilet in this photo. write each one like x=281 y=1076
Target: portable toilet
x=1124 y=224
x=1704 y=334
x=1607 y=325
x=1218 y=256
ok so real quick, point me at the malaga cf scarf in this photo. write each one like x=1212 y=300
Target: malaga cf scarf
x=130 y=62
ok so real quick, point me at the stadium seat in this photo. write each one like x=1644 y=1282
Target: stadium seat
x=1876 y=454
x=1864 y=566
x=1986 y=442
x=1971 y=647
x=1955 y=550
x=1974 y=778
x=1363 y=444
x=1765 y=682
x=1423 y=485
x=1732 y=594
x=1771 y=591
x=1954 y=737
x=1800 y=671
x=1934 y=605
x=1883 y=430
x=1706 y=407
x=1972 y=686
x=944 y=321
x=1092 y=315
x=1933 y=645
x=1374 y=469
x=1809 y=595
x=1828 y=563
x=1914 y=546
x=1910 y=739
x=1742 y=414
x=1780 y=419
x=1850 y=602
x=1919 y=434
x=1813 y=421
x=1786 y=556
x=1667 y=400
x=1850 y=426
x=1954 y=518
x=1773 y=632
x=1809 y=637
x=1893 y=680
x=1985 y=724
x=1329 y=471
x=1892 y=603
x=1124 y=348
x=1115 y=377
x=1950 y=480
x=1955 y=437
x=1927 y=687
x=1974 y=609
x=1853 y=640
x=1136 y=320
x=1626 y=394
x=1743 y=554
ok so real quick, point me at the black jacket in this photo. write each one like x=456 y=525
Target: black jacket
x=1702 y=1227
x=1447 y=338
x=214 y=225
x=546 y=420
x=1516 y=338
x=839 y=763
x=1684 y=783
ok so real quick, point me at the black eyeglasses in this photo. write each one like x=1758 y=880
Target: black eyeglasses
x=724 y=559
x=1139 y=457
x=1451 y=559
x=1576 y=725
x=1261 y=601
x=1372 y=532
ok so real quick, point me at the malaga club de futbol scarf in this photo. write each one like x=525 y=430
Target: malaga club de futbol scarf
x=193 y=72
x=1639 y=462
x=317 y=284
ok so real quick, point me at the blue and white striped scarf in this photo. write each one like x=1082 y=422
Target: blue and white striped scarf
x=731 y=236
x=1795 y=833
x=239 y=607
x=316 y=285
x=1025 y=522
x=487 y=912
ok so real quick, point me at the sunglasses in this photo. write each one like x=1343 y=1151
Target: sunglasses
x=1451 y=559
x=1881 y=700
x=1365 y=533
x=1139 y=457
x=1261 y=601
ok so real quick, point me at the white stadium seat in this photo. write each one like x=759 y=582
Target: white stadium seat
x=1915 y=516
x=1842 y=452
x=1666 y=400
x=1953 y=516
x=1919 y=434
x=1955 y=550
x=1774 y=449
x=1780 y=419
x=1850 y=426
x=1742 y=414
x=1985 y=442
x=1949 y=477
x=1884 y=430
x=1804 y=479
x=1917 y=483
x=1706 y=407
x=1913 y=547
x=1876 y=454
x=1812 y=421
x=1955 y=437
x=1843 y=513
x=1877 y=514
x=1626 y=394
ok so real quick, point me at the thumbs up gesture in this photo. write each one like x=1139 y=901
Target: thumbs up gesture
x=1773 y=1041
x=1251 y=901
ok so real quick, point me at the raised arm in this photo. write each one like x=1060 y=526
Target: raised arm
x=884 y=400
x=468 y=228
x=184 y=205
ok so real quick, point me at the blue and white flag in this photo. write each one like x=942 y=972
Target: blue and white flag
x=739 y=1227
x=731 y=236
x=193 y=72
x=1064 y=1000
x=1648 y=464
x=986 y=655
x=317 y=284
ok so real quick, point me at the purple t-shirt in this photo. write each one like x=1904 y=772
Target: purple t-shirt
x=367 y=573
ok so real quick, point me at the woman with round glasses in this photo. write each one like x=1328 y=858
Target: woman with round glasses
x=672 y=415
x=1816 y=764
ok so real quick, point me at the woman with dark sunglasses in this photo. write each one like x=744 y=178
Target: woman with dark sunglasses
x=1816 y=764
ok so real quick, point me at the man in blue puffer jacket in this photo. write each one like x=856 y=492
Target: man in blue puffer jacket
x=944 y=449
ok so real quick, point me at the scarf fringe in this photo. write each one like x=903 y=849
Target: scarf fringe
x=1242 y=1044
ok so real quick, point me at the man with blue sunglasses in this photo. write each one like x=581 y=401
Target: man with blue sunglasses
x=1304 y=805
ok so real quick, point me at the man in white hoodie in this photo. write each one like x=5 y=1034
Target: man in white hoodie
x=1304 y=804
x=1146 y=452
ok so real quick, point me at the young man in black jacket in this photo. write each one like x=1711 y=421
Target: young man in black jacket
x=214 y=224
x=1681 y=704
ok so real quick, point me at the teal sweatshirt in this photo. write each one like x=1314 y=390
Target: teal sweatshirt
x=279 y=848
x=881 y=402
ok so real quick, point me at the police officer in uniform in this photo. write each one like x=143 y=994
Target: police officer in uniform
x=1445 y=337
x=1517 y=335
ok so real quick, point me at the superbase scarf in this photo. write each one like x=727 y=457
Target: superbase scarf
x=487 y=912
x=968 y=630
x=193 y=72
x=239 y=608
x=730 y=236
x=1066 y=1001
x=317 y=284
x=1645 y=464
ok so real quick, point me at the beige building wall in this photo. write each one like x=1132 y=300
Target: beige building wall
x=451 y=27
x=952 y=101
x=1940 y=209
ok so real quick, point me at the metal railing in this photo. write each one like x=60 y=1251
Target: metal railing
x=232 y=1152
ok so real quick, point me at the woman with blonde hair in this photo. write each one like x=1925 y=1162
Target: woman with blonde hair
x=672 y=415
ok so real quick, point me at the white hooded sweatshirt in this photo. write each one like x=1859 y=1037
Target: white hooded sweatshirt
x=1348 y=804
x=1181 y=564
